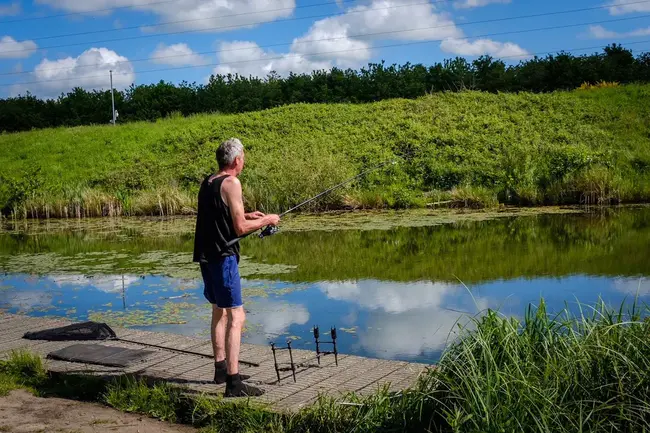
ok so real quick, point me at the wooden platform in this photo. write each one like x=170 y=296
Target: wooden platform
x=353 y=373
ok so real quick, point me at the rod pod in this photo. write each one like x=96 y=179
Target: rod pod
x=333 y=343
x=278 y=369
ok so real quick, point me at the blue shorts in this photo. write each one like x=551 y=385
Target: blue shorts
x=222 y=284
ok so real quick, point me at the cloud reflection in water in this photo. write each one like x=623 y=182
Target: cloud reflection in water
x=406 y=319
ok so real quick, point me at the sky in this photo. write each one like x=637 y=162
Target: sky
x=47 y=47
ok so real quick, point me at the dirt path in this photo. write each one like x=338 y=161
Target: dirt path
x=22 y=412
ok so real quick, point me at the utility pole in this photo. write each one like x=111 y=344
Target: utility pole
x=112 y=97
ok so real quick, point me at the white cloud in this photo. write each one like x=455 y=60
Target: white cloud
x=12 y=49
x=26 y=300
x=406 y=21
x=346 y=40
x=175 y=55
x=90 y=70
x=632 y=286
x=329 y=40
x=620 y=7
x=247 y=58
x=479 y=47
x=10 y=9
x=195 y=14
x=389 y=297
x=468 y=4
x=599 y=32
x=104 y=283
x=348 y=34
x=343 y=41
x=273 y=319
x=412 y=334
x=406 y=319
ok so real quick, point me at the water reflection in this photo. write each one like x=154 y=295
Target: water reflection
x=104 y=283
x=269 y=320
x=406 y=319
x=393 y=293
x=632 y=286
x=386 y=319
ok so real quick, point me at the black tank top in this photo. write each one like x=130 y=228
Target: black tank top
x=214 y=226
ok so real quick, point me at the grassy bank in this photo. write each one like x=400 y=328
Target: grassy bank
x=469 y=149
x=547 y=372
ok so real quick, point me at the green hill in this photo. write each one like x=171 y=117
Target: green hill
x=471 y=148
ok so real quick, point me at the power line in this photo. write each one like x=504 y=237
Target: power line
x=329 y=52
x=282 y=9
x=92 y=11
x=595 y=47
x=167 y=23
x=20 y=20
x=229 y=27
x=361 y=35
x=304 y=18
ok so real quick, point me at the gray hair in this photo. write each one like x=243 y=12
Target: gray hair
x=228 y=151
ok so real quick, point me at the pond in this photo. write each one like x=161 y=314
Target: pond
x=395 y=284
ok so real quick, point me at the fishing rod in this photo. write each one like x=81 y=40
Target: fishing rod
x=271 y=230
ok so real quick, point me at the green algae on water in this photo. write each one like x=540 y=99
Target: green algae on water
x=169 y=313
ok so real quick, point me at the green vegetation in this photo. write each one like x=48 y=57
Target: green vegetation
x=548 y=372
x=237 y=94
x=431 y=245
x=471 y=148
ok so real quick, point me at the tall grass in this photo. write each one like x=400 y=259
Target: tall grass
x=477 y=149
x=560 y=373
x=563 y=372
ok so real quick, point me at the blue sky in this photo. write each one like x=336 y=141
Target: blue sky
x=49 y=46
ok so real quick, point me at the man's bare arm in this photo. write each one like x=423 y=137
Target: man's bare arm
x=254 y=215
x=232 y=194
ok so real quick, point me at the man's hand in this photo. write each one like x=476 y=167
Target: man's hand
x=254 y=215
x=273 y=220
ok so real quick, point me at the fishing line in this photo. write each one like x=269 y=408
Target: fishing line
x=271 y=230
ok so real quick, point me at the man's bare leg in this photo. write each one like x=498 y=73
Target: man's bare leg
x=218 y=333
x=234 y=385
x=236 y=318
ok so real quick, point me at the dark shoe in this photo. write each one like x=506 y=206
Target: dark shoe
x=221 y=372
x=236 y=388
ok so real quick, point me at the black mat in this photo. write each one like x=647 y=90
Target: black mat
x=76 y=331
x=99 y=354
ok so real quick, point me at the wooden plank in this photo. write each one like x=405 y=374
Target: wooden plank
x=149 y=337
x=404 y=377
x=23 y=325
x=306 y=364
x=373 y=378
x=6 y=319
x=14 y=339
x=354 y=373
x=363 y=373
x=307 y=390
x=179 y=370
x=166 y=367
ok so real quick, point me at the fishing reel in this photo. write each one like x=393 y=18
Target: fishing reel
x=269 y=231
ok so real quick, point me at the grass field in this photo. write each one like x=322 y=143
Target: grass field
x=470 y=148
x=546 y=372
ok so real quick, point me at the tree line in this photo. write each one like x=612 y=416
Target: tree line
x=236 y=94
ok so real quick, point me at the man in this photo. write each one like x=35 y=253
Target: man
x=220 y=219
